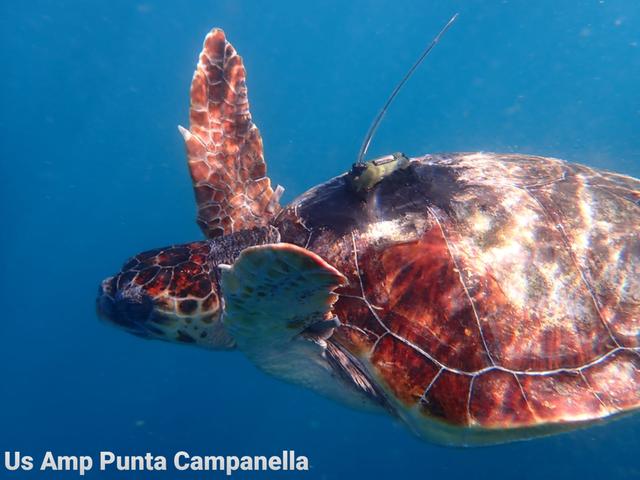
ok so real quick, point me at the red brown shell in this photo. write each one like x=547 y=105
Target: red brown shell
x=491 y=291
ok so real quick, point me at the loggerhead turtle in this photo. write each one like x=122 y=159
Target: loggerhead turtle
x=477 y=297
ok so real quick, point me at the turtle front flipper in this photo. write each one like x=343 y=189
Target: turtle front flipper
x=278 y=307
x=274 y=293
x=224 y=147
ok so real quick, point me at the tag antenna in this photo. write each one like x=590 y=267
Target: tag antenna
x=376 y=122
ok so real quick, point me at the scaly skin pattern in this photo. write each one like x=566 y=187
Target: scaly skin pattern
x=490 y=292
x=224 y=147
x=173 y=293
x=168 y=293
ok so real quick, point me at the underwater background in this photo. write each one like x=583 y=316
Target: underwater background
x=93 y=171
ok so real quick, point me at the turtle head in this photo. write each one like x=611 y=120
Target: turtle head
x=169 y=294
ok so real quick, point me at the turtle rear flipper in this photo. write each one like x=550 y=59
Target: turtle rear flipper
x=224 y=147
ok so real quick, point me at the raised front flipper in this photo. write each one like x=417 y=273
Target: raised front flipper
x=224 y=147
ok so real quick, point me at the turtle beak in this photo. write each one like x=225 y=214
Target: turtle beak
x=105 y=305
x=126 y=308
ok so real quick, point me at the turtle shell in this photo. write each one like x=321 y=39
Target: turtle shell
x=490 y=296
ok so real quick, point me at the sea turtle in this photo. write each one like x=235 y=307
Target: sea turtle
x=477 y=297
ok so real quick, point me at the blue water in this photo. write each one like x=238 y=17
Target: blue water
x=93 y=170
